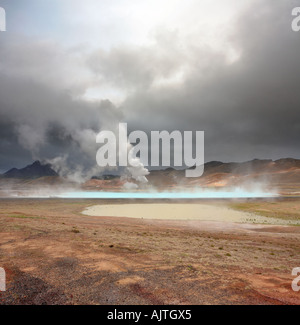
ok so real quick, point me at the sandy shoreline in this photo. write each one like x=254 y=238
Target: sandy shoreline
x=201 y=212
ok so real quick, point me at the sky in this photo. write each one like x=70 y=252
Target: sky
x=71 y=68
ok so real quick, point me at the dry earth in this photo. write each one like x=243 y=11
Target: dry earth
x=53 y=254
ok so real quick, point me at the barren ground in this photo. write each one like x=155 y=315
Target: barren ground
x=53 y=254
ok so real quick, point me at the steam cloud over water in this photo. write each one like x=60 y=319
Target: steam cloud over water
x=130 y=191
x=205 y=194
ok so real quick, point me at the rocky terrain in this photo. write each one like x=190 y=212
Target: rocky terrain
x=53 y=254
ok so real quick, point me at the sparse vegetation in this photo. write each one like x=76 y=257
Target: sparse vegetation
x=286 y=210
x=24 y=217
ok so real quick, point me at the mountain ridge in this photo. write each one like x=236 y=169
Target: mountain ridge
x=34 y=171
x=38 y=170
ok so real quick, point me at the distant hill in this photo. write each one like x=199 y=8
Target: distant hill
x=283 y=174
x=33 y=171
x=252 y=166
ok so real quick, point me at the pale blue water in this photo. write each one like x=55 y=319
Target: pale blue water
x=166 y=195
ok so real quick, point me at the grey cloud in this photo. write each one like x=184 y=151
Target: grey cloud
x=41 y=118
x=132 y=68
x=248 y=108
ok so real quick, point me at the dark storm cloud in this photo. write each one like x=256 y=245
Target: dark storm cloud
x=247 y=103
x=249 y=107
x=41 y=118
